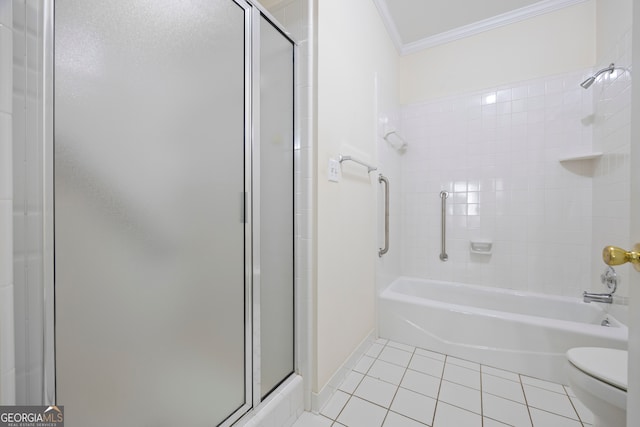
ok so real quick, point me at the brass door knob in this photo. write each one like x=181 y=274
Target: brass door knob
x=612 y=255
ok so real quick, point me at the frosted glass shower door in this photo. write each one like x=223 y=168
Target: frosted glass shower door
x=276 y=207
x=150 y=230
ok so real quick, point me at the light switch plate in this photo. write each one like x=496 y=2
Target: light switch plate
x=334 y=170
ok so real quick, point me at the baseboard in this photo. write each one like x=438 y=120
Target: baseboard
x=318 y=400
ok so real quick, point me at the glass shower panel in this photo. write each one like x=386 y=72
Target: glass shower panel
x=276 y=207
x=149 y=215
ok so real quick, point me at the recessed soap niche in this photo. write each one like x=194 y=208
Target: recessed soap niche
x=481 y=247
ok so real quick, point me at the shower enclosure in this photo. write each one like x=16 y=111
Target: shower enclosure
x=168 y=199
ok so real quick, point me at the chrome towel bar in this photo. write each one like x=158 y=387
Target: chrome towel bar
x=383 y=179
x=370 y=168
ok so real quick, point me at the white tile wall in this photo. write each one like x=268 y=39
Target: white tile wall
x=388 y=266
x=7 y=356
x=612 y=136
x=27 y=199
x=497 y=152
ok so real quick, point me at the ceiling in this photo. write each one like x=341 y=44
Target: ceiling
x=418 y=24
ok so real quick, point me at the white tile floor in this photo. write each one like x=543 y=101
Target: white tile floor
x=395 y=385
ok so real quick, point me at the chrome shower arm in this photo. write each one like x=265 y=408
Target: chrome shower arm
x=591 y=80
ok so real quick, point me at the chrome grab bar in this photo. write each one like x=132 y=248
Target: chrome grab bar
x=381 y=179
x=370 y=168
x=443 y=251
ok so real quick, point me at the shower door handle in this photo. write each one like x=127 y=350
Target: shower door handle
x=383 y=179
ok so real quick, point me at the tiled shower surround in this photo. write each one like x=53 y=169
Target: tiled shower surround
x=497 y=152
x=612 y=176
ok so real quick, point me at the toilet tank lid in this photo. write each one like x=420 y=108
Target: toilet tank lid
x=606 y=364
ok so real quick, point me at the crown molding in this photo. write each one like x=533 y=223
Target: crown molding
x=508 y=18
x=390 y=24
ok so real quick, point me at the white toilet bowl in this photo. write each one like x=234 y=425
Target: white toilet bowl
x=598 y=377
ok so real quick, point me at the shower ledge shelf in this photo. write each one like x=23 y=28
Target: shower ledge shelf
x=586 y=156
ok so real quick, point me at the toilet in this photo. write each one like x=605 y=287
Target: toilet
x=598 y=377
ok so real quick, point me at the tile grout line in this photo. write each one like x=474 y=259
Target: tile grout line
x=526 y=401
x=579 y=419
x=435 y=409
x=365 y=376
x=506 y=398
x=341 y=410
x=560 y=415
x=351 y=395
x=406 y=368
x=396 y=385
x=394 y=394
x=573 y=405
x=481 y=399
x=459 y=384
x=545 y=389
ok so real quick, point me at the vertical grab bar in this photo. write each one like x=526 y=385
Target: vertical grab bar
x=443 y=243
x=381 y=179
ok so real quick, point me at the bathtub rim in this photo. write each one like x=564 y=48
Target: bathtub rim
x=618 y=330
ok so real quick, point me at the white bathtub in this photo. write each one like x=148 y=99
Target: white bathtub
x=518 y=331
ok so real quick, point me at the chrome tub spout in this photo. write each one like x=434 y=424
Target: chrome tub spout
x=591 y=297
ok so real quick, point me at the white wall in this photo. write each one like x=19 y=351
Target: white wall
x=497 y=153
x=549 y=44
x=7 y=358
x=353 y=50
x=613 y=23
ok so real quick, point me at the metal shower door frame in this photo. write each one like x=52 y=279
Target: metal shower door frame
x=252 y=13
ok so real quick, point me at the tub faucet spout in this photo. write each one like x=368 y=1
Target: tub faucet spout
x=591 y=297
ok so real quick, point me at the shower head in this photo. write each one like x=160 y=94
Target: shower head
x=587 y=83
x=591 y=80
